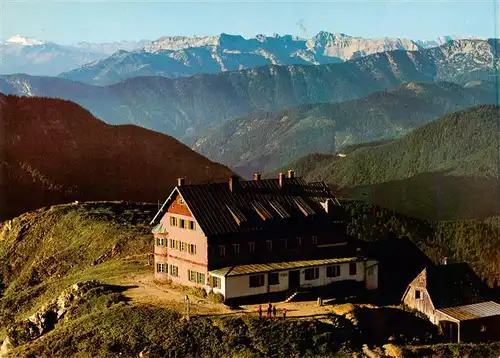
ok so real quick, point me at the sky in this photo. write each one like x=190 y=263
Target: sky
x=71 y=21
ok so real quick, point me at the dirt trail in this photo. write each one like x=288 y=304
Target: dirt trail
x=143 y=289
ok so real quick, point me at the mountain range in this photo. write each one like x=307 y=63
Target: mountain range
x=446 y=170
x=54 y=151
x=266 y=140
x=30 y=56
x=185 y=107
x=183 y=56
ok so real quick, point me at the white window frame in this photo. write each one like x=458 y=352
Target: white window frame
x=315 y=271
x=355 y=265
x=160 y=267
x=261 y=280
x=336 y=271
x=216 y=282
x=174 y=270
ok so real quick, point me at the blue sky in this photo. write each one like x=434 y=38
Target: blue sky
x=97 y=21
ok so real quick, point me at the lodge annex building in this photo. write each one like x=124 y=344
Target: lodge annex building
x=257 y=237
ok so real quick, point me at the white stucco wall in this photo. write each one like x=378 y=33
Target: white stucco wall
x=323 y=280
x=238 y=286
x=283 y=283
x=372 y=280
x=222 y=289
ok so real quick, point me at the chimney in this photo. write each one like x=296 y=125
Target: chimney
x=257 y=176
x=291 y=174
x=280 y=179
x=180 y=181
x=233 y=181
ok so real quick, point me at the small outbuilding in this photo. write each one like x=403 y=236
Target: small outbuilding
x=454 y=297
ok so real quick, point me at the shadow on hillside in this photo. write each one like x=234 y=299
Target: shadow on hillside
x=117 y=288
x=107 y=289
x=400 y=261
x=381 y=325
x=433 y=196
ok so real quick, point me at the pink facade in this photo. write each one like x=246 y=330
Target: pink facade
x=184 y=251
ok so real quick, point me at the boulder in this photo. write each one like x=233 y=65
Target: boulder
x=5 y=348
x=48 y=315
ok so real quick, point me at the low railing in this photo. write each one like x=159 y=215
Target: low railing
x=290 y=293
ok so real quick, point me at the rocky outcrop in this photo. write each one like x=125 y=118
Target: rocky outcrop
x=5 y=348
x=111 y=253
x=47 y=317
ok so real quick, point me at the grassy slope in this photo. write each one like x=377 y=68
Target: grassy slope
x=44 y=252
x=130 y=330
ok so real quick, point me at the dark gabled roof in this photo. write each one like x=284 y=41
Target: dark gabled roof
x=256 y=205
x=455 y=285
x=401 y=261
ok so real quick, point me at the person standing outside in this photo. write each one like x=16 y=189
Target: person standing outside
x=260 y=311
x=186 y=299
x=269 y=310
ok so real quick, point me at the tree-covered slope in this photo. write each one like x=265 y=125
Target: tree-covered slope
x=54 y=151
x=448 y=169
x=266 y=140
x=464 y=143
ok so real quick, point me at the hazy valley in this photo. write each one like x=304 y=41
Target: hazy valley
x=266 y=140
x=185 y=107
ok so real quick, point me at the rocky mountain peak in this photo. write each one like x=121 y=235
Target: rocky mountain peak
x=23 y=41
x=175 y=43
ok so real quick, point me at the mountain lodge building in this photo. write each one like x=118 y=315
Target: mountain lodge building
x=258 y=237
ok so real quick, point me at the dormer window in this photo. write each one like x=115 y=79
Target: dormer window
x=222 y=251
x=236 y=248
x=299 y=241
